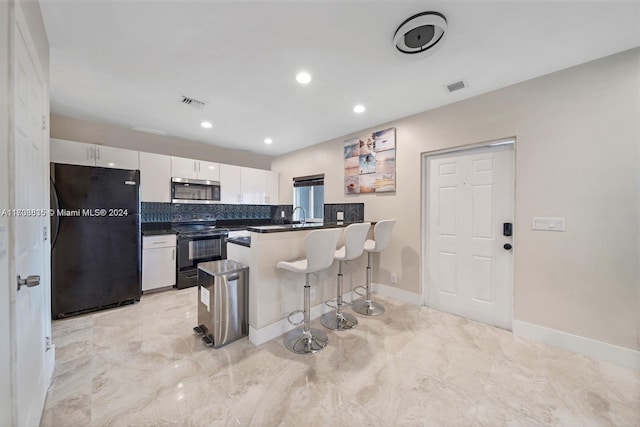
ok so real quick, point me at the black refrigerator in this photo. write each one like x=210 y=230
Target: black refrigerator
x=96 y=254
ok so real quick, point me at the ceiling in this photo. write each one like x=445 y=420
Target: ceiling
x=128 y=63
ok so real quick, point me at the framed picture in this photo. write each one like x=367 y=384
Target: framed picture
x=370 y=163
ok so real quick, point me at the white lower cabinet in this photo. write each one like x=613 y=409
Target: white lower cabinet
x=158 y=261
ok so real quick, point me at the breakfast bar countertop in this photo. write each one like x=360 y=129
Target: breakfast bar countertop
x=279 y=228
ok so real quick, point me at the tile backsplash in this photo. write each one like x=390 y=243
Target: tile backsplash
x=165 y=212
x=352 y=212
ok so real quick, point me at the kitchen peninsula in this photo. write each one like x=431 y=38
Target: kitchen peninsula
x=273 y=292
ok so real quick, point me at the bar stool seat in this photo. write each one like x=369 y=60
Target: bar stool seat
x=382 y=236
x=354 y=239
x=320 y=247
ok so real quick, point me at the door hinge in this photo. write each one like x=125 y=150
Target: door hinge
x=47 y=343
x=44 y=123
x=44 y=232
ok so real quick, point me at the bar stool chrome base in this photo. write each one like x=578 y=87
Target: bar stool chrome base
x=306 y=342
x=368 y=308
x=338 y=321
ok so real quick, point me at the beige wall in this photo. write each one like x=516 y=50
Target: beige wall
x=577 y=156
x=99 y=133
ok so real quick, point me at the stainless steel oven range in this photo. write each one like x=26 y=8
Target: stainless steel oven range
x=197 y=242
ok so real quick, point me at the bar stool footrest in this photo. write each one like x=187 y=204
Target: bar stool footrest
x=294 y=313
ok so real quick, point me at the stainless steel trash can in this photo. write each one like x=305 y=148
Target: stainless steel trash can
x=223 y=302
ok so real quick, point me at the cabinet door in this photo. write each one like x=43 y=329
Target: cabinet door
x=72 y=153
x=273 y=187
x=184 y=168
x=155 y=178
x=116 y=158
x=158 y=268
x=208 y=170
x=229 y=184
x=253 y=183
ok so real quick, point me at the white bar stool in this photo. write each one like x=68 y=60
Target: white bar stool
x=382 y=236
x=354 y=237
x=320 y=247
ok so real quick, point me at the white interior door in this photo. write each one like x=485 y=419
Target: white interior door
x=469 y=198
x=29 y=311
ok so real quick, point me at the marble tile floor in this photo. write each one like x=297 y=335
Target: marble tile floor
x=140 y=365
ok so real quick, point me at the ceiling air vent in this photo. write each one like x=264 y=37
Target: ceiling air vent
x=456 y=86
x=192 y=102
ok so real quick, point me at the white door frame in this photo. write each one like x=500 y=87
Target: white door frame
x=424 y=206
x=19 y=24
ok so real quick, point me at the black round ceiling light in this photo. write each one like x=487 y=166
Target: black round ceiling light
x=421 y=35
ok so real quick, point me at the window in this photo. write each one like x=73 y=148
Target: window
x=308 y=192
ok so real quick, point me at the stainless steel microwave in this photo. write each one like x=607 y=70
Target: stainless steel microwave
x=185 y=190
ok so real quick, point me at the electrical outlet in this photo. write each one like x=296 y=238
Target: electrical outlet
x=281 y=214
x=394 y=279
x=340 y=216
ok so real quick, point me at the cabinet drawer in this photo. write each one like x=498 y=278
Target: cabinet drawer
x=161 y=241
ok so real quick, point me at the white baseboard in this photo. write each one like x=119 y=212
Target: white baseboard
x=597 y=349
x=274 y=330
x=397 y=293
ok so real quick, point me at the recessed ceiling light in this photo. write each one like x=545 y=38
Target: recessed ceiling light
x=303 y=77
x=268 y=141
x=206 y=125
x=359 y=108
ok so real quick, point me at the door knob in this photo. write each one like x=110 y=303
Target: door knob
x=507 y=246
x=29 y=282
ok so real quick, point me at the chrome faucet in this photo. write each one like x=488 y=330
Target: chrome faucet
x=304 y=214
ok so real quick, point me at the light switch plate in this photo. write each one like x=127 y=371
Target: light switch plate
x=3 y=241
x=340 y=216
x=547 y=223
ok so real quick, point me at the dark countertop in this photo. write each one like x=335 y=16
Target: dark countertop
x=240 y=240
x=299 y=227
x=157 y=232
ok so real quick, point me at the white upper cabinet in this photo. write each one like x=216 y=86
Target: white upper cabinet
x=253 y=183
x=72 y=153
x=208 y=170
x=184 y=168
x=155 y=178
x=80 y=153
x=117 y=158
x=230 y=184
x=273 y=188
x=194 y=169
